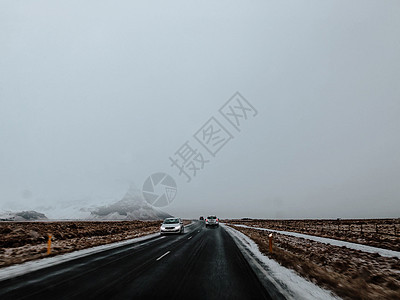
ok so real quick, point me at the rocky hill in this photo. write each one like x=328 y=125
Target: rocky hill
x=30 y=215
x=131 y=207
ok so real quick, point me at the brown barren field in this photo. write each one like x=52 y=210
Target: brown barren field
x=24 y=241
x=351 y=274
x=381 y=233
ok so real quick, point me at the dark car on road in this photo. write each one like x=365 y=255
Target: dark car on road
x=212 y=220
x=201 y=218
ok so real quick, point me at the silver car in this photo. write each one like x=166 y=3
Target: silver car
x=212 y=221
x=172 y=225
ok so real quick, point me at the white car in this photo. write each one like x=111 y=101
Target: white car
x=172 y=225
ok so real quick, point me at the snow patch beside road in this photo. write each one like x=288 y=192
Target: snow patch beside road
x=34 y=265
x=288 y=284
x=339 y=243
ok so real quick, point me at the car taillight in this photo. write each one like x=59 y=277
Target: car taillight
x=217 y=220
x=206 y=220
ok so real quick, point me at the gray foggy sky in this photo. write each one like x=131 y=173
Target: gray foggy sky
x=97 y=95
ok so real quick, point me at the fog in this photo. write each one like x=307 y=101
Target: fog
x=95 y=96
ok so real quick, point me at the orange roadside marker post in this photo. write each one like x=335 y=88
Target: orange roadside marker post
x=270 y=242
x=49 y=245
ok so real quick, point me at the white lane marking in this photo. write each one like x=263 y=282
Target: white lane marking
x=166 y=253
x=198 y=230
x=189 y=237
x=34 y=265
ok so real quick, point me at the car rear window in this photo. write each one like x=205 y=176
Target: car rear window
x=211 y=217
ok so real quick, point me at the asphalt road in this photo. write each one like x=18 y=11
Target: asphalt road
x=203 y=263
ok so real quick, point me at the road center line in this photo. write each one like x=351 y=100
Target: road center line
x=166 y=253
x=189 y=237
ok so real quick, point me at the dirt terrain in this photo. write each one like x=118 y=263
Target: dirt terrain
x=382 y=233
x=23 y=241
x=351 y=274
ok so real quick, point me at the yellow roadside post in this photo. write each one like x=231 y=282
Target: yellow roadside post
x=270 y=242
x=49 y=245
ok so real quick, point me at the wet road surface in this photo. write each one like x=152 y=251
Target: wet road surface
x=203 y=263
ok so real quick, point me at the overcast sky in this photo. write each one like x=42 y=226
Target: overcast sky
x=95 y=96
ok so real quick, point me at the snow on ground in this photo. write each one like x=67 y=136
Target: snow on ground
x=364 y=248
x=34 y=265
x=288 y=283
x=30 y=266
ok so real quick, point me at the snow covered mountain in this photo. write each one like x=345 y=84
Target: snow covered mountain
x=22 y=216
x=131 y=207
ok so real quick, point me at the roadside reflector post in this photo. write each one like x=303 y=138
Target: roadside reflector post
x=49 y=245
x=270 y=242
